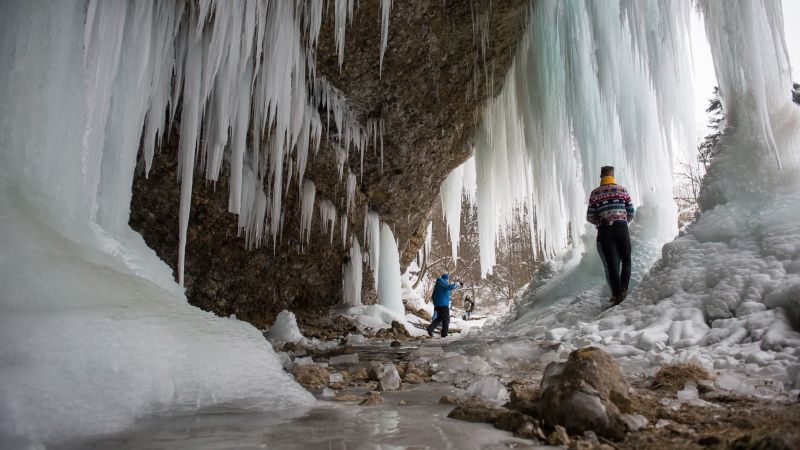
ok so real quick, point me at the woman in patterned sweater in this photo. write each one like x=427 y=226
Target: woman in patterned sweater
x=611 y=210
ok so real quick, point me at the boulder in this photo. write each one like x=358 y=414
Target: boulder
x=586 y=393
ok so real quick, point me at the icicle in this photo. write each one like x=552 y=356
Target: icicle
x=190 y=131
x=372 y=232
x=450 y=194
x=389 y=285
x=352 y=275
x=309 y=191
x=386 y=9
x=428 y=239
x=327 y=212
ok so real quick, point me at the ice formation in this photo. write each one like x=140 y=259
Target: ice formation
x=589 y=86
x=284 y=329
x=450 y=193
x=327 y=214
x=724 y=293
x=307 y=195
x=84 y=83
x=372 y=236
x=234 y=66
x=352 y=275
x=389 y=286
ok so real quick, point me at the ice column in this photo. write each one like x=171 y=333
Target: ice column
x=389 y=288
x=352 y=274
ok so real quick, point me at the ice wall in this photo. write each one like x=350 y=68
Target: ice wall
x=592 y=84
x=95 y=331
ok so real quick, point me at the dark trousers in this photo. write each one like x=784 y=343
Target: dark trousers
x=442 y=315
x=614 y=246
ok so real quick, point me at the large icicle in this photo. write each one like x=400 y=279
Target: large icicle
x=389 y=284
x=386 y=9
x=450 y=193
x=352 y=274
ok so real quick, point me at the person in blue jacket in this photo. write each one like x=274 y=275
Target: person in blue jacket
x=441 y=304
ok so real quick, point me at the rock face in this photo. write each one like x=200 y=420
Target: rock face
x=436 y=80
x=586 y=393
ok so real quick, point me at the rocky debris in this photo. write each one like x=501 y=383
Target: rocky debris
x=373 y=399
x=351 y=359
x=763 y=442
x=396 y=344
x=397 y=331
x=479 y=410
x=348 y=398
x=708 y=441
x=390 y=379
x=374 y=371
x=558 y=436
x=524 y=397
x=413 y=378
x=635 y=422
x=675 y=376
x=414 y=375
x=586 y=393
x=311 y=374
x=448 y=399
x=360 y=374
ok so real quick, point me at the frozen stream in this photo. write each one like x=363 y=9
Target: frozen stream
x=421 y=422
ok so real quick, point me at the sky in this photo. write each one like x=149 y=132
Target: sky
x=791 y=25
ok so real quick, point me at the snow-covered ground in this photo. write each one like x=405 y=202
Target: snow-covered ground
x=725 y=295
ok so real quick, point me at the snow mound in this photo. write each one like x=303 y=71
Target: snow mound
x=285 y=329
x=89 y=346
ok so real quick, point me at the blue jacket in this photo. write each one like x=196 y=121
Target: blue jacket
x=441 y=292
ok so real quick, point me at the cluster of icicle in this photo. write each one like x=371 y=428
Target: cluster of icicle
x=592 y=84
x=238 y=69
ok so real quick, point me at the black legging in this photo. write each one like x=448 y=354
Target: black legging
x=614 y=246
x=443 y=317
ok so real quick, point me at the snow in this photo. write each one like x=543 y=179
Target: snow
x=284 y=329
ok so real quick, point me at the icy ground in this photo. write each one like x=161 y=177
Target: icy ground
x=420 y=423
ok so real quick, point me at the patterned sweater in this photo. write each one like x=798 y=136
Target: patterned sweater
x=609 y=203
